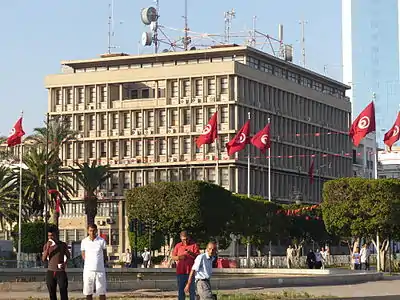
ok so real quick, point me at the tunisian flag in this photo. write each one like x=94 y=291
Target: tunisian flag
x=16 y=134
x=364 y=124
x=392 y=136
x=210 y=132
x=262 y=139
x=240 y=140
x=311 y=172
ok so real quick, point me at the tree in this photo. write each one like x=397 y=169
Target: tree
x=360 y=207
x=90 y=177
x=200 y=207
x=32 y=234
x=34 y=178
x=57 y=130
x=9 y=202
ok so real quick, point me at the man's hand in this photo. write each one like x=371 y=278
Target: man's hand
x=187 y=287
x=181 y=257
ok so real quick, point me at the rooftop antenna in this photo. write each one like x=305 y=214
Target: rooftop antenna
x=110 y=26
x=155 y=28
x=186 y=40
x=229 y=16
x=253 y=39
x=303 y=41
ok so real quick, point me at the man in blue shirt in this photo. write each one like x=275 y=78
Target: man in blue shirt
x=202 y=271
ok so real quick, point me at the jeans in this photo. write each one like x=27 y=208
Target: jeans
x=182 y=280
x=54 y=278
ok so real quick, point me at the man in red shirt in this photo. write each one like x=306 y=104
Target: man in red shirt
x=184 y=254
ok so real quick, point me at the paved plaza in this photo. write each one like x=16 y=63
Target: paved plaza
x=385 y=289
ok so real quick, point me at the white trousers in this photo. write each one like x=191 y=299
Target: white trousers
x=94 y=282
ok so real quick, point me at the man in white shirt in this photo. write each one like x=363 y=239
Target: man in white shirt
x=202 y=271
x=94 y=255
x=146 y=258
x=128 y=258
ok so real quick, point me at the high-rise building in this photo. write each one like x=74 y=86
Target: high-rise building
x=141 y=114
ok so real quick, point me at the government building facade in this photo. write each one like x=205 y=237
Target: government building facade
x=142 y=114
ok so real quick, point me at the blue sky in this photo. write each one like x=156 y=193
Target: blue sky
x=37 y=35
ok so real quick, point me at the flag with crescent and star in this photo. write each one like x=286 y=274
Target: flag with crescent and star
x=262 y=139
x=210 y=132
x=363 y=124
x=392 y=136
x=16 y=134
x=240 y=140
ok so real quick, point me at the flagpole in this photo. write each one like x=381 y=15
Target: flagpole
x=20 y=205
x=269 y=168
x=248 y=164
x=217 y=154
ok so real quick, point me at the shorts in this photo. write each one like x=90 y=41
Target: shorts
x=94 y=282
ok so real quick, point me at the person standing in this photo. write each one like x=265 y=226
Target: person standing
x=318 y=259
x=94 y=254
x=146 y=258
x=128 y=258
x=289 y=256
x=202 y=271
x=364 y=253
x=356 y=259
x=311 y=259
x=184 y=254
x=57 y=255
x=323 y=257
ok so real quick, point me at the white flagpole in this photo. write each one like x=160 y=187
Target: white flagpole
x=248 y=165
x=217 y=154
x=269 y=168
x=20 y=206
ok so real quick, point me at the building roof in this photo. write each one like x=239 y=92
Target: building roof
x=226 y=50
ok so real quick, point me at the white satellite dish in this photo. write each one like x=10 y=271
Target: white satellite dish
x=153 y=26
x=147 y=38
x=149 y=15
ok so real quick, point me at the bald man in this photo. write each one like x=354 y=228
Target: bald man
x=202 y=271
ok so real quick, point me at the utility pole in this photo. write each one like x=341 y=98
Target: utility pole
x=186 y=38
x=303 y=42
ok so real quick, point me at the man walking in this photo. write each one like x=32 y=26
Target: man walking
x=57 y=254
x=94 y=255
x=202 y=271
x=146 y=258
x=184 y=254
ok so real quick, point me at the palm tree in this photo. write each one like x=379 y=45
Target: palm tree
x=59 y=132
x=90 y=177
x=35 y=176
x=8 y=197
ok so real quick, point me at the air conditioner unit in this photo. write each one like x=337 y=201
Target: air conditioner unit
x=110 y=221
x=101 y=195
x=112 y=194
x=194 y=100
x=198 y=100
x=171 y=130
x=79 y=135
x=174 y=159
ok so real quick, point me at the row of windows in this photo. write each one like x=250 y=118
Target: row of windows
x=295 y=77
x=72 y=235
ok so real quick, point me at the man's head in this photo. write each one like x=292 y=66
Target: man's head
x=52 y=234
x=290 y=247
x=184 y=237
x=145 y=249
x=127 y=250
x=211 y=249
x=92 y=231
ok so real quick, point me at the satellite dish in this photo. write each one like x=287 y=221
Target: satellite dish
x=149 y=15
x=153 y=26
x=193 y=48
x=147 y=38
x=165 y=51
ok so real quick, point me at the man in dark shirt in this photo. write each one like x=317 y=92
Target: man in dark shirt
x=57 y=254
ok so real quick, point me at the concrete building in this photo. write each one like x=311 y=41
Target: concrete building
x=363 y=157
x=389 y=163
x=141 y=114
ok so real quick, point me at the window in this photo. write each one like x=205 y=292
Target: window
x=225 y=177
x=138 y=148
x=81 y=123
x=187 y=146
x=80 y=150
x=58 y=95
x=69 y=151
x=175 y=146
x=138 y=119
x=69 y=236
x=150 y=121
x=80 y=234
x=127 y=148
x=92 y=94
x=103 y=94
x=163 y=175
x=174 y=118
x=186 y=88
x=150 y=176
x=92 y=122
x=127 y=180
x=224 y=85
x=138 y=178
x=81 y=95
x=186 y=116
x=174 y=89
x=199 y=87
x=134 y=94
x=114 y=237
x=70 y=96
x=114 y=148
x=103 y=149
x=162 y=147
x=127 y=120
x=211 y=86
x=115 y=121
x=145 y=93
x=211 y=175
x=293 y=76
x=103 y=122
x=150 y=147
x=162 y=118
x=224 y=114
x=199 y=116
x=92 y=149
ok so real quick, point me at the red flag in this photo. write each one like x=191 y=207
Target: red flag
x=240 y=140
x=210 y=132
x=364 y=124
x=58 y=204
x=392 y=136
x=262 y=139
x=311 y=172
x=16 y=134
